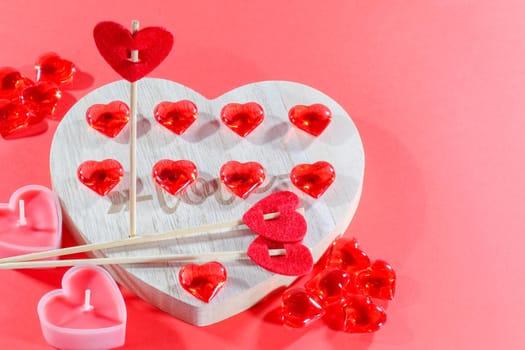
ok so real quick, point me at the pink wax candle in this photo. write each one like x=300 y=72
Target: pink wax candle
x=30 y=222
x=88 y=313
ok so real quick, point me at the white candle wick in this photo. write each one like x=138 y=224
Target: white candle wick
x=22 y=213
x=87 y=300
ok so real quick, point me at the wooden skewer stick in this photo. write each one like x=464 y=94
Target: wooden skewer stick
x=21 y=213
x=150 y=238
x=133 y=145
x=133 y=259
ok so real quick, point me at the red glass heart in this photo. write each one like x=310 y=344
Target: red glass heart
x=329 y=286
x=299 y=308
x=242 y=118
x=377 y=281
x=289 y=226
x=13 y=117
x=313 y=119
x=102 y=176
x=203 y=281
x=108 y=119
x=41 y=99
x=313 y=179
x=242 y=178
x=345 y=254
x=358 y=314
x=176 y=116
x=296 y=262
x=51 y=67
x=12 y=83
x=115 y=42
x=174 y=176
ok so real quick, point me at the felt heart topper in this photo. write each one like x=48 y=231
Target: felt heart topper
x=115 y=43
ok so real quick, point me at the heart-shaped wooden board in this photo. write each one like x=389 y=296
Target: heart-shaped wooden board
x=276 y=144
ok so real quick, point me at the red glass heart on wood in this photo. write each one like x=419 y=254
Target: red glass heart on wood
x=296 y=262
x=299 y=308
x=203 y=281
x=12 y=83
x=329 y=286
x=51 y=67
x=176 y=116
x=102 y=176
x=377 y=281
x=289 y=226
x=41 y=99
x=242 y=118
x=313 y=179
x=108 y=119
x=242 y=178
x=13 y=117
x=358 y=314
x=344 y=254
x=313 y=119
x=174 y=176
x=115 y=43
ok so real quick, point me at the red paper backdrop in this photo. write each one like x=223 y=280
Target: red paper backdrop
x=436 y=90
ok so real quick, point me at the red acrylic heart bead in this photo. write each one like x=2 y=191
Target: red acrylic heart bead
x=242 y=178
x=313 y=119
x=299 y=308
x=13 y=117
x=176 y=116
x=203 y=281
x=115 y=42
x=108 y=119
x=329 y=286
x=358 y=314
x=174 y=176
x=289 y=226
x=313 y=179
x=41 y=99
x=12 y=83
x=102 y=176
x=51 y=67
x=377 y=281
x=242 y=118
x=344 y=254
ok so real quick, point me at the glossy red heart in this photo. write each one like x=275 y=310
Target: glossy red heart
x=358 y=314
x=377 y=281
x=176 y=116
x=203 y=281
x=174 y=176
x=329 y=286
x=242 y=118
x=313 y=119
x=296 y=262
x=289 y=226
x=242 y=178
x=102 y=176
x=299 y=308
x=108 y=119
x=313 y=179
x=344 y=254
x=12 y=83
x=115 y=43
x=13 y=117
x=41 y=99
x=51 y=67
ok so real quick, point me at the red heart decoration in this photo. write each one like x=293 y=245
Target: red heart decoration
x=289 y=226
x=12 y=83
x=313 y=179
x=345 y=254
x=242 y=118
x=102 y=176
x=176 y=116
x=313 y=119
x=297 y=260
x=13 y=117
x=174 y=176
x=329 y=286
x=358 y=314
x=51 y=67
x=108 y=119
x=115 y=43
x=299 y=308
x=203 y=281
x=377 y=281
x=41 y=99
x=242 y=178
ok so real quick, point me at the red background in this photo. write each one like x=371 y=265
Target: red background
x=436 y=90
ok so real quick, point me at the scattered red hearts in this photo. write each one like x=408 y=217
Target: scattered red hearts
x=51 y=67
x=13 y=117
x=12 y=82
x=329 y=286
x=377 y=281
x=41 y=99
x=242 y=178
x=344 y=254
x=108 y=119
x=299 y=308
x=313 y=179
x=176 y=116
x=357 y=314
x=102 y=176
x=203 y=281
x=242 y=118
x=174 y=176
x=313 y=119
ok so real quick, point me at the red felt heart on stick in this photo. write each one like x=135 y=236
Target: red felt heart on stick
x=296 y=262
x=289 y=226
x=115 y=43
x=102 y=176
x=203 y=281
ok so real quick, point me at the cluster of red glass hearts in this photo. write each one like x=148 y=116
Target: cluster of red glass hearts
x=343 y=293
x=24 y=103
